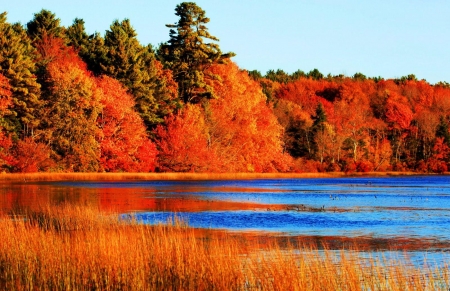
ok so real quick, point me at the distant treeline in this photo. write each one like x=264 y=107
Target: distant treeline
x=74 y=102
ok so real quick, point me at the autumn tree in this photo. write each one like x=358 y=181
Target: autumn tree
x=68 y=119
x=297 y=128
x=123 y=141
x=6 y=159
x=17 y=66
x=183 y=143
x=188 y=55
x=243 y=131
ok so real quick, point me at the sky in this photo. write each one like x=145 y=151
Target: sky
x=377 y=38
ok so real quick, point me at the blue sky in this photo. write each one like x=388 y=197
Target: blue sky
x=377 y=38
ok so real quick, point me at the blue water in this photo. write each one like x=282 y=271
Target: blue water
x=384 y=207
x=413 y=206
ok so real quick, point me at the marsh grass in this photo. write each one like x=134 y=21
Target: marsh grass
x=28 y=177
x=80 y=248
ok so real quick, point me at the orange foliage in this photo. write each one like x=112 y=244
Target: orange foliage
x=31 y=156
x=245 y=134
x=398 y=112
x=124 y=144
x=183 y=144
x=70 y=113
x=7 y=160
x=307 y=93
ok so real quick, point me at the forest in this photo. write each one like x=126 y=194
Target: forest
x=77 y=102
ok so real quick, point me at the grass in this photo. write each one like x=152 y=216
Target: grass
x=80 y=248
x=27 y=177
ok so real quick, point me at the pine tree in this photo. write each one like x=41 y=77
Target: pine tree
x=188 y=56
x=320 y=118
x=136 y=67
x=77 y=37
x=443 y=130
x=43 y=24
x=17 y=65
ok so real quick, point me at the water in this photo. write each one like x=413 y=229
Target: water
x=415 y=208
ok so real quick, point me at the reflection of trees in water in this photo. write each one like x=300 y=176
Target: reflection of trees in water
x=19 y=197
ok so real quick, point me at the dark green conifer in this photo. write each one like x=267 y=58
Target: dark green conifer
x=442 y=130
x=17 y=65
x=125 y=59
x=188 y=55
x=44 y=24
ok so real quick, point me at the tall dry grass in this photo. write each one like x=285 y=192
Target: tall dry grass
x=79 y=248
x=27 y=177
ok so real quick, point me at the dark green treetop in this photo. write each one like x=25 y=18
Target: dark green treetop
x=320 y=118
x=44 y=24
x=188 y=55
x=122 y=57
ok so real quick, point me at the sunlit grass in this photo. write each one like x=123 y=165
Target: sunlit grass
x=28 y=177
x=80 y=248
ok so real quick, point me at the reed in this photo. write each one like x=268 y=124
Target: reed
x=80 y=248
x=29 y=177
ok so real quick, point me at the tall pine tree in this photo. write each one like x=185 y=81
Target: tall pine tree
x=17 y=65
x=188 y=55
x=136 y=67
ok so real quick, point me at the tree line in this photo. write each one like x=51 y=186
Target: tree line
x=70 y=101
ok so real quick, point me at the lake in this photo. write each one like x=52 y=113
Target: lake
x=409 y=213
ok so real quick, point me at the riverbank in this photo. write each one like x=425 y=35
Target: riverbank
x=30 y=177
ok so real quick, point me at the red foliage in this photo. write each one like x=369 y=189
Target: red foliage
x=52 y=49
x=308 y=92
x=7 y=159
x=166 y=78
x=124 y=143
x=31 y=156
x=183 y=143
x=398 y=112
x=364 y=166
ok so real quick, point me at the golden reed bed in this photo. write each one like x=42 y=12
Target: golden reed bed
x=28 y=177
x=80 y=248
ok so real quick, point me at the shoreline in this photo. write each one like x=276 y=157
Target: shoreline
x=36 y=177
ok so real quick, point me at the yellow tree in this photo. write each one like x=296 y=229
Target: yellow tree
x=243 y=130
x=68 y=118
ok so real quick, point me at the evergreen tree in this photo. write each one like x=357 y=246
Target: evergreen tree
x=16 y=64
x=188 y=56
x=136 y=67
x=443 y=130
x=77 y=37
x=315 y=74
x=320 y=118
x=91 y=48
x=44 y=24
x=279 y=76
x=297 y=75
x=255 y=75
